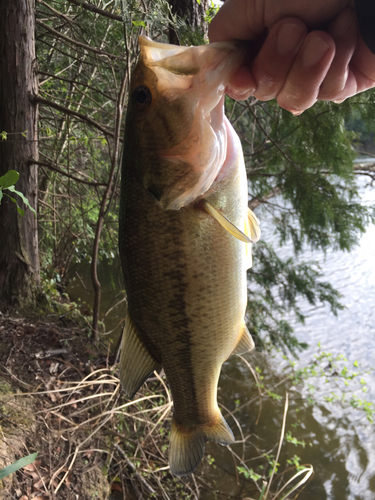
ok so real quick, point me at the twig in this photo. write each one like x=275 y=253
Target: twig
x=280 y=445
x=95 y=9
x=74 y=82
x=134 y=469
x=257 y=385
x=65 y=174
x=77 y=43
x=81 y=116
x=69 y=469
x=309 y=472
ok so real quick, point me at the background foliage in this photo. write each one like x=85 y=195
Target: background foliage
x=300 y=169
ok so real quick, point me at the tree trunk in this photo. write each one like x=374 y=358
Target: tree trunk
x=19 y=258
x=190 y=10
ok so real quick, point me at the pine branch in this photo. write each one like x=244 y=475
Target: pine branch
x=255 y=202
x=289 y=160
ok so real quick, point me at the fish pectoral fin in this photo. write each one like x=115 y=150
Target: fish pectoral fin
x=188 y=443
x=253 y=226
x=252 y=231
x=245 y=343
x=249 y=255
x=136 y=363
x=225 y=223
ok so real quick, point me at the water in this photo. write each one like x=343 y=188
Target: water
x=339 y=441
x=343 y=441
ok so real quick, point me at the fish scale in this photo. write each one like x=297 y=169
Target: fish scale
x=184 y=273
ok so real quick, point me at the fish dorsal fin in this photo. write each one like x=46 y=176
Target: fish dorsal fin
x=226 y=223
x=245 y=343
x=253 y=225
x=187 y=444
x=136 y=363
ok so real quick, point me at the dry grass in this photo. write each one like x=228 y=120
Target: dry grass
x=95 y=443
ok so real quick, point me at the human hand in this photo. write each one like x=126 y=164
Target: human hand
x=296 y=63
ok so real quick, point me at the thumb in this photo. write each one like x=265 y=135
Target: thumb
x=237 y=20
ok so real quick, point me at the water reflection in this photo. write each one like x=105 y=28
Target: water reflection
x=343 y=453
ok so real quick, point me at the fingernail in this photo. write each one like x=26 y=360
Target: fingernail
x=288 y=37
x=239 y=94
x=315 y=50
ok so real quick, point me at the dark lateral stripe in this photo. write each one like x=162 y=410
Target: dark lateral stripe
x=182 y=329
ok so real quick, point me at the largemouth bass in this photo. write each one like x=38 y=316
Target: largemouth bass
x=185 y=237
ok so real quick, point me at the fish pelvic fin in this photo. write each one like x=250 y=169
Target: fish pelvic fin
x=136 y=363
x=245 y=343
x=187 y=443
x=225 y=223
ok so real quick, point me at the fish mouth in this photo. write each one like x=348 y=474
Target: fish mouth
x=201 y=74
x=226 y=151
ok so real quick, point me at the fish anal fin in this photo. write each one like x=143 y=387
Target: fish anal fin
x=136 y=363
x=245 y=343
x=187 y=443
x=225 y=223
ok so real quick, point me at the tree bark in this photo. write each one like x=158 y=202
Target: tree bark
x=19 y=257
x=190 y=10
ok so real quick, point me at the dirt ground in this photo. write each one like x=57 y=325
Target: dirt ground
x=37 y=356
x=60 y=396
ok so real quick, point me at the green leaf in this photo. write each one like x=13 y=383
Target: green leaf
x=25 y=200
x=19 y=209
x=9 y=179
x=139 y=23
x=3 y=135
x=1 y=195
x=17 y=465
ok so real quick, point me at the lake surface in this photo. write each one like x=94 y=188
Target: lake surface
x=343 y=441
x=339 y=441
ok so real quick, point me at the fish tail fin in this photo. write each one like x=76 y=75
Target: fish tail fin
x=188 y=443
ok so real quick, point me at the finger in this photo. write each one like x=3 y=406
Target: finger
x=363 y=66
x=337 y=82
x=307 y=73
x=272 y=64
x=242 y=84
x=349 y=89
x=236 y=20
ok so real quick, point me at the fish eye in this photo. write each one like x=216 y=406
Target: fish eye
x=142 y=97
